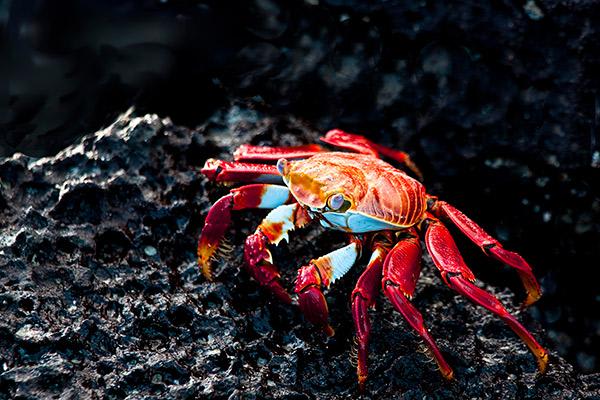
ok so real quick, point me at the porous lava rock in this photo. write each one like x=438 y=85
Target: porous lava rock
x=101 y=296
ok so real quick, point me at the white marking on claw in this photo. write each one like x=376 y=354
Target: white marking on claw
x=342 y=260
x=283 y=215
x=274 y=196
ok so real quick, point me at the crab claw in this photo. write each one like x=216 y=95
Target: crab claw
x=322 y=272
x=219 y=216
x=215 y=225
x=311 y=301
x=260 y=265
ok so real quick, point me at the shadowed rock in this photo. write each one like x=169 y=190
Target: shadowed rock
x=101 y=294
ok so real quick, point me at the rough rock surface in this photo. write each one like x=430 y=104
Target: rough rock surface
x=102 y=297
x=498 y=102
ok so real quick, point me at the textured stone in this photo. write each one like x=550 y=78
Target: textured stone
x=88 y=310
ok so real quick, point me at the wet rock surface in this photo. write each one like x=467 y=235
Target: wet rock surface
x=497 y=102
x=102 y=297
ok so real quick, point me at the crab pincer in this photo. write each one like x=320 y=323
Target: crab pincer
x=219 y=217
x=321 y=273
x=259 y=263
x=311 y=300
x=274 y=228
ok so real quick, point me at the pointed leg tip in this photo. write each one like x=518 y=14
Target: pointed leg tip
x=532 y=288
x=447 y=373
x=362 y=382
x=531 y=298
x=542 y=360
x=206 y=270
x=205 y=255
x=413 y=167
x=329 y=331
x=204 y=260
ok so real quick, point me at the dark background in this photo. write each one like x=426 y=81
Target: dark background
x=497 y=102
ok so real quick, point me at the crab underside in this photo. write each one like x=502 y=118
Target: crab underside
x=381 y=209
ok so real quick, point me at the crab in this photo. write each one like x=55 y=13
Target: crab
x=381 y=209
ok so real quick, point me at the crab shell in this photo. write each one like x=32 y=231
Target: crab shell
x=376 y=195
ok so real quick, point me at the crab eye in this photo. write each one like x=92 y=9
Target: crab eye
x=281 y=166
x=336 y=201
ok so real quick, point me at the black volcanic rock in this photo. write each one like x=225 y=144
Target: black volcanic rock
x=497 y=102
x=102 y=297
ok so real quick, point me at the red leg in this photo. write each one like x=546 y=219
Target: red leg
x=350 y=141
x=228 y=171
x=400 y=274
x=219 y=216
x=323 y=272
x=363 y=297
x=490 y=247
x=266 y=153
x=360 y=144
x=274 y=228
x=457 y=275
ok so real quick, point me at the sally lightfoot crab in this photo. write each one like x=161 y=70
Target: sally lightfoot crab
x=381 y=209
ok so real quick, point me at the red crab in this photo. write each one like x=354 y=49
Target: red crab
x=381 y=209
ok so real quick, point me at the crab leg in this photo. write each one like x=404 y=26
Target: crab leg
x=361 y=144
x=273 y=229
x=266 y=153
x=219 y=217
x=322 y=272
x=491 y=247
x=232 y=171
x=459 y=277
x=363 y=297
x=401 y=271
